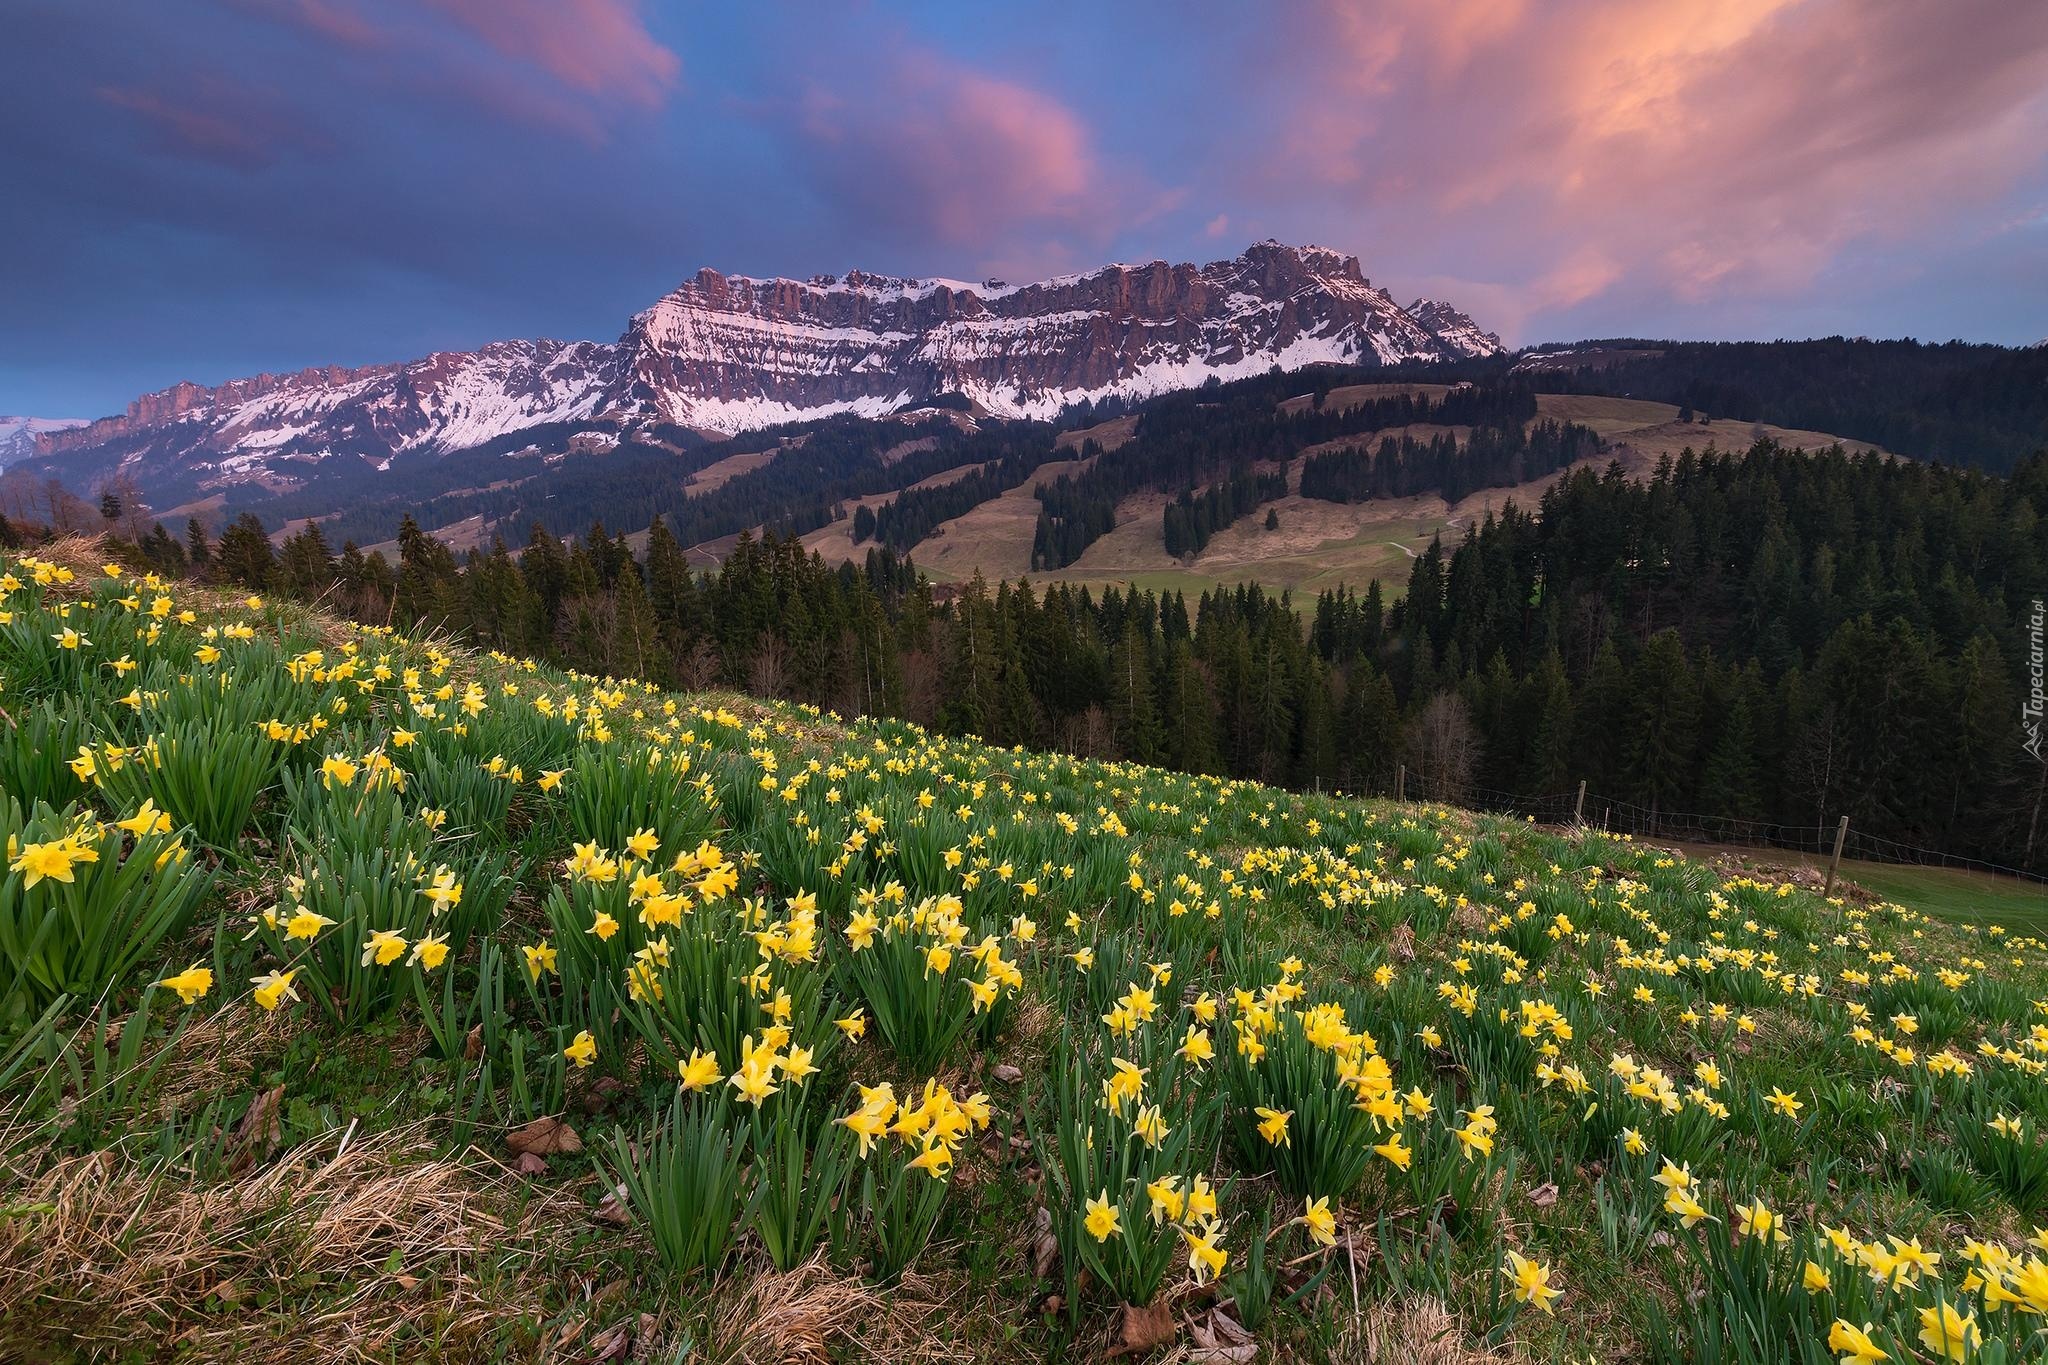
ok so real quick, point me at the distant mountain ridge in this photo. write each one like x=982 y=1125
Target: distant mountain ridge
x=730 y=353
x=18 y=435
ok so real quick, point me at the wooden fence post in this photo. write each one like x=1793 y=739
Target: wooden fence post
x=1834 y=862
x=1579 y=806
x=1400 y=781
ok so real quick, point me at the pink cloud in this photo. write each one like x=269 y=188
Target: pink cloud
x=599 y=47
x=335 y=22
x=559 y=64
x=956 y=152
x=1579 y=149
x=210 y=120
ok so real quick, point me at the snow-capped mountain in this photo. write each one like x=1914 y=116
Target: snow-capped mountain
x=18 y=435
x=270 y=429
x=728 y=353
x=1453 y=328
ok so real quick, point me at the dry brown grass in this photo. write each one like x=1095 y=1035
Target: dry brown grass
x=83 y=555
x=814 y=1314
x=1418 y=1331
x=349 y=1249
x=1108 y=435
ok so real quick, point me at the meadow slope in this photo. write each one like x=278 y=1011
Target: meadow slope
x=1318 y=545
x=375 y=999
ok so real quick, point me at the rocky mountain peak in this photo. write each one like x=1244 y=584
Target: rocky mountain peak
x=731 y=352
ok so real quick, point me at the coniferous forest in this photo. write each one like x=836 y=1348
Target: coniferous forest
x=1766 y=637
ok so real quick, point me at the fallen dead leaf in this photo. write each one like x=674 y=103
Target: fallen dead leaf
x=1227 y=1329
x=611 y=1344
x=646 y=1339
x=1007 y=1073
x=1141 y=1329
x=260 y=1130
x=1220 y=1340
x=566 y=1336
x=531 y=1163
x=544 y=1137
x=1544 y=1195
x=612 y=1208
x=1045 y=1248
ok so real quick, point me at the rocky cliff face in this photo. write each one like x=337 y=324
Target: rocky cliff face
x=728 y=353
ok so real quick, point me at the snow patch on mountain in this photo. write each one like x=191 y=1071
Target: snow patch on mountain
x=728 y=353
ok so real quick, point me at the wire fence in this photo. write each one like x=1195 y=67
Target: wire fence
x=1630 y=817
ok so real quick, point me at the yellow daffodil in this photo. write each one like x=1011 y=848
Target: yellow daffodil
x=274 y=988
x=700 y=1071
x=190 y=984
x=1103 y=1221
x=1320 y=1222
x=1532 y=1282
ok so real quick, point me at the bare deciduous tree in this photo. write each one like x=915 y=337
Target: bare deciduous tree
x=697 y=670
x=769 y=671
x=1443 y=746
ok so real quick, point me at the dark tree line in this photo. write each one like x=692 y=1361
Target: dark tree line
x=1221 y=432
x=915 y=513
x=565 y=477
x=1492 y=457
x=1975 y=405
x=1771 y=636
x=1192 y=518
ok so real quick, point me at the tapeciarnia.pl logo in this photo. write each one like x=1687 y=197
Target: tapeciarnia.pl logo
x=2032 y=708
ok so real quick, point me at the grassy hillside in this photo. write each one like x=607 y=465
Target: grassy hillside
x=1318 y=545
x=1961 y=895
x=371 y=999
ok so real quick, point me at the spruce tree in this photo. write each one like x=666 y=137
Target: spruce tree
x=426 y=578
x=1663 y=721
x=671 y=591
x=1547 y=707
x=1133 y=716
x=1189 y=713
x=245 y=555
x=1729 y=781
x=972 y=668
x=636 y=647
x=1602 y=711
x=198 y=548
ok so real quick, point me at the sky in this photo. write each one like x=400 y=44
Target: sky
x=204 y=189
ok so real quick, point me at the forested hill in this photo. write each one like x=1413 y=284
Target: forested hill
x=1981 y=406
x=1766 y=636
x=1224 y=448
x=1197 y=460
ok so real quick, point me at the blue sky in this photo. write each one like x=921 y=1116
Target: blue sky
x=213 y=188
